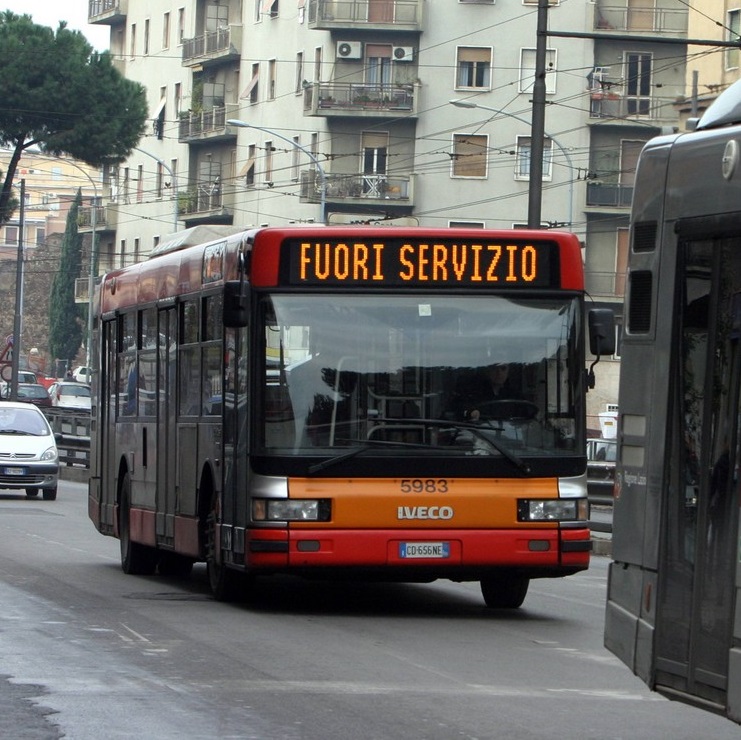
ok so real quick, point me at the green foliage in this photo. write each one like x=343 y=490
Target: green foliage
x=65 y=316
x=62 y=96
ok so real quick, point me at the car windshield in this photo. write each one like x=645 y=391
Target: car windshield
x=23 y=421
x=453 y=375
x=32 y=391
x=76 y=390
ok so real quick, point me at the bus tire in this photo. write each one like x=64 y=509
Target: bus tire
x=136 y=559
x=226 y=583
x=504 y=590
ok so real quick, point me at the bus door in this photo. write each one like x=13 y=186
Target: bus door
x=106 y=420
x=694 y=617
x=166 y=422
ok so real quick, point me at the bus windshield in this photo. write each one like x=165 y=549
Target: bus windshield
x=434 y=375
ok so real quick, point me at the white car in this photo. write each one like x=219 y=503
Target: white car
x=28 y=450
x=82 y=374
x=70 y=395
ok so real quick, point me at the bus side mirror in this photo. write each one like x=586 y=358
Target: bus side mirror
x=601 y=332
x=236 y=304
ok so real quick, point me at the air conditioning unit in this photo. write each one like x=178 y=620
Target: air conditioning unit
x=403 y=53
x=349 y=50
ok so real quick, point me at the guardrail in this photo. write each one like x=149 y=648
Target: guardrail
x=73 y=442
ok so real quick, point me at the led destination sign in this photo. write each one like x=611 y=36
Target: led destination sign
x=395 y=262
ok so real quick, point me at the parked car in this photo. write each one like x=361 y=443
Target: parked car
x=601 y=457
x=31 y=393
x=82 y=374
x=70 y=395
x=24 y=376
x=28 y=450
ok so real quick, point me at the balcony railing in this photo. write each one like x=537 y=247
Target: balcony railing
x=221 y=45
x=208 y=124
x=205 y=199
x=359 y=99
x=616 y=105
x=361 y=188
x=613 y=17
x=106 y=218
x=107 y=12
x=370 y=15
x=609 y=194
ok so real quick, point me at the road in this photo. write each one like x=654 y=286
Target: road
x=118 y=656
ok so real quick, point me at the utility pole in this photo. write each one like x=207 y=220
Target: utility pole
x=537 y=129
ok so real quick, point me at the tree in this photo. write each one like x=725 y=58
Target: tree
x=66 y=316
x=65 y=98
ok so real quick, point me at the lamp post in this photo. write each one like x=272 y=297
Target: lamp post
x=17 y=321
x=319 y=168
x=174 y=179
x=535 y=190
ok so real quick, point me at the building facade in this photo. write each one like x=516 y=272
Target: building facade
x=409 y=111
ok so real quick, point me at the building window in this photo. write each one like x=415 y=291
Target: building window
x=181 y=26
x=272 y=78
x=166 y=31
x=638 y=83
x=11 y=235
x=269 y=149
x=524 y=156
x=470 y=155
x=295 y=158
x=250 y=92
x=40 y=235
x=299 y=72
x=132 y=47
x=527 y=71
x=178 y=98
x=140 y=184
x=146 y=37
x=466 y=225
x=473 y=69
x=248 y=171
x=734 y=29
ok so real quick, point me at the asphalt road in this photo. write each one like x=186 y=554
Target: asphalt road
x=116 y=656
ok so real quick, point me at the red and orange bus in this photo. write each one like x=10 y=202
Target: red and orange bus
x=302 y=400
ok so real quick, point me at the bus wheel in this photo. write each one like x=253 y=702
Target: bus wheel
x=136 y=559
x=226 y=584
x=504 y=590
x=172 y=564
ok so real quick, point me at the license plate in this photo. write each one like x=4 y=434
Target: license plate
x=15 y=471
x=424 y=549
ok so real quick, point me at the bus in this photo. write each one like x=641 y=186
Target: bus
x=299 y=400
x=673 y=610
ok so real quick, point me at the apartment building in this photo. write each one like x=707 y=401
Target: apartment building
x=408 y=111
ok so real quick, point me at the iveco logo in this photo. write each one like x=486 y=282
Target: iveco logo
x=425 y=512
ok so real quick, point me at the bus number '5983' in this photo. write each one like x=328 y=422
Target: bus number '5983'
x=424 y=485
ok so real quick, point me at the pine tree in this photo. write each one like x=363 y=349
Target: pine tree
x=66 y=320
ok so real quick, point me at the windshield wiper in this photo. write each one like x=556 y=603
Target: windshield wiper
x=366 y=444
x=363 y=445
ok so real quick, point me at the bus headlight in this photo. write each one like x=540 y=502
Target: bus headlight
x=553 y=510
x=290 y=510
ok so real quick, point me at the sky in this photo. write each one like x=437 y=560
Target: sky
x=50 y=12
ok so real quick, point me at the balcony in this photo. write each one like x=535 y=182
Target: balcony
x=214 y=47
x=358 y=190
x=107 y=12
x=206 y=202
x=350 y=99
x=208 y=125
x=368 y=15
x=647 y=21
x=611 y=195
x=106 y=218
x=616 y=108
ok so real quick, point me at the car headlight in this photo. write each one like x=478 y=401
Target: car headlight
x=50 y=455
x=290 y=510
x=553 y=510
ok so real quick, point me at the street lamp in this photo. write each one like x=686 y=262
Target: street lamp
x=536 y=190
x=319 y=168
x=174 y=179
